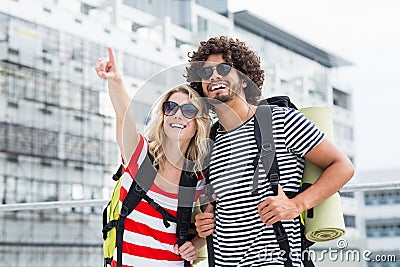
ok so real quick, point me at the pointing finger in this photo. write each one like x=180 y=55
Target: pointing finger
x=111 y=56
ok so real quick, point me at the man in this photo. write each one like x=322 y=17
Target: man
x=230 y=78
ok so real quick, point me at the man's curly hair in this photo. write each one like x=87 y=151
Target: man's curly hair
x=235 y=51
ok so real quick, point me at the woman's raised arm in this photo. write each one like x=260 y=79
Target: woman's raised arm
x=126 y=133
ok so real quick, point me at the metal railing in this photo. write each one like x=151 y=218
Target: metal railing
x=103 y=202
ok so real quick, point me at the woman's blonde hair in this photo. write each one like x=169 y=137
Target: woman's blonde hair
x=198 y=146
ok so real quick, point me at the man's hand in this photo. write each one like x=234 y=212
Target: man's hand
x=277 y=208
x=187 y=251
x=205 y=223
x=106 y=68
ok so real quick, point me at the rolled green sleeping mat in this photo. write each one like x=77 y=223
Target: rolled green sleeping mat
x=325 y=222
x=202 y=253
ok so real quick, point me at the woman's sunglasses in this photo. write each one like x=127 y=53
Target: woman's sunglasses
x=169 y=108
x=222 y=69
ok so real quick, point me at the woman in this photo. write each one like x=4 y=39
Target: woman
x=174 y=135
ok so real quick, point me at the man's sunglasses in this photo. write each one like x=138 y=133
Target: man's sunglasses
x=222 y=69
x=169 y=108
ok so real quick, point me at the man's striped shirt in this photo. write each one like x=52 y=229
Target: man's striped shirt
x=240 y=237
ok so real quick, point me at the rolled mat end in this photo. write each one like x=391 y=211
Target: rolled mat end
x=325 y=234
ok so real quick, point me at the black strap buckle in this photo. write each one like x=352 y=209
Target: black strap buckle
x=266 y=149
x=124 y=211
x=183 y=231
x=139 y=191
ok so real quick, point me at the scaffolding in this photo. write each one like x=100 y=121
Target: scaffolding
x=55 y=145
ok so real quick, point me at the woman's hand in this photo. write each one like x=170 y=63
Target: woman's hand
x=106 y=68
x=187 y=251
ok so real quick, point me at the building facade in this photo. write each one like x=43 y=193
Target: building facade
x=57 y=124
x=382 y=219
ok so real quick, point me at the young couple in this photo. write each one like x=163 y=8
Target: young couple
x=227 y=75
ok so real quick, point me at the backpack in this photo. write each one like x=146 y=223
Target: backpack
x=114 y=218
x=266 y=146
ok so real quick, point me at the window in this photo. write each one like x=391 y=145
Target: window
x=343 y=131
x=383 y=199
x=3 y=27
x=202 y=24
x=93 y=151
x=74 y=147
x=86 y=8
x=49 y=191
x=384 y=231
x=341 y=99
x=50 y=40
x=90 y=101
x=350 y=221
x=11 y=185
x=2 y=188
x=22 y=190
x=139 y=67
x=347 y=194
x=77 y=191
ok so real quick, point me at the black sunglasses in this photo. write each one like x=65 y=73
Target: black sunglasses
x=222 y=69
x=169 y=108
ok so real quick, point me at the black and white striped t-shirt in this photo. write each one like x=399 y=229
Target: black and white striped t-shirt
x=240 y=237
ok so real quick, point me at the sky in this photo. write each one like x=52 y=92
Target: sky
x=366 y=33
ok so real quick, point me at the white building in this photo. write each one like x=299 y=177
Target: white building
x=382 y=218
x=56 y=122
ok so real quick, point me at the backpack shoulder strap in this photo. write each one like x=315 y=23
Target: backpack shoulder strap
x=142 y=182
x=187 y=190
x=213 y=130
x=266 y=146
x=263 y=131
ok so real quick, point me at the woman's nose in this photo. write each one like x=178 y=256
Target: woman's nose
x=178 y=114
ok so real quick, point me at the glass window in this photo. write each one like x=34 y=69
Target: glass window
x=202 y=25
x=50 y=40
x=90 y=101
x=48 y=191
x=368 y=201
x=2 y=182
x=348 y=133
x=349 y=220
x=74 y=147
x=34 y=195
x=341 y=98
x=52 y=91
x=48 y=143
x=370 y=232
x=77 y=194
x=93 y=151
x=11 y=186
x=3 y=27
x=23 y=188
x=383 y=200
x=140 y=68
x=77 y=191
x=3 y=136
x=347 y=194
x=384 y=232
